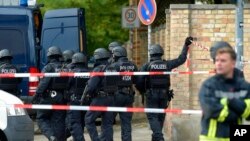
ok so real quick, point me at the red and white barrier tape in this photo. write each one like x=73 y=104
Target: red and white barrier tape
x=200 y=46
x=105 y=109
x=69 y=74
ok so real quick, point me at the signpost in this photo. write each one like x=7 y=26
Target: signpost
x=239 y=22
x=147 y=10
x=130 y=20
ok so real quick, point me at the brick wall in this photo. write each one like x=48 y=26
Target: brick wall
x=208 y=23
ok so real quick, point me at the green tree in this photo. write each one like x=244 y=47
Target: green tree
x=103 y=19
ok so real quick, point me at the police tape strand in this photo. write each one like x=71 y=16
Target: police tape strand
x=71 y=74
x=200 y=46
x=103 y=109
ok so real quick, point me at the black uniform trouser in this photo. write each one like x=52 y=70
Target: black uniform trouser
x=76 y=121
x=156 y=99
x=125 y=100
x=52 y=122
x=107 y=119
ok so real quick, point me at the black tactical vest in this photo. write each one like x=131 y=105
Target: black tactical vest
x=158 y=81
x=80 y=82
x=109 y=82
x=125 y=80
x=58 y=83
x=8 y=83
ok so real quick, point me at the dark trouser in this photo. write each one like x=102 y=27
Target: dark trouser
x=156 y=99
x=125 y=100
x=107 y=119
x=76 y=121
x=52 y=122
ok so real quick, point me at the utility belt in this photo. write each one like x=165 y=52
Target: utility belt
x=126 y=90
x=157 y=90
x=103 y=94
x=52 y=93
x=75 y=97
x=168 y=92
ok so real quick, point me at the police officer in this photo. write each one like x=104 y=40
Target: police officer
x=67 y=57
x=124 y=97
x=66 y=60
x=9 y=85
x=101 y=90
x=224 y=98
x=221 y=44
x=50 y=91
x=110 y=48
x=156 y=88
x=77 y=85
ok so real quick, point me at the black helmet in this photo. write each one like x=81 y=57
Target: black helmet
x=113 y=44
x=54 y=51
x=67 y=55
x=78 y=58
x=156 y=50
x=101 y=53
x=216 y=46
x=5 y=53
x=119 y=51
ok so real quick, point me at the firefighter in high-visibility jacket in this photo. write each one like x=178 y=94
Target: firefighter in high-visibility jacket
x=224 y=98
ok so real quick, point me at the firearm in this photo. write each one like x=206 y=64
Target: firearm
x=36 y=98
x=85 y=99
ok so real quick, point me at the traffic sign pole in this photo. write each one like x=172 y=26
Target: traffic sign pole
x=149 y=40
x=239 y=33
x=147 y=10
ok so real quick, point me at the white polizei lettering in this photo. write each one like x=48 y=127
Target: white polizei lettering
x=86 y=77
x=8 y=71
x=127 y=68
x=126 y=78
x=160 y=67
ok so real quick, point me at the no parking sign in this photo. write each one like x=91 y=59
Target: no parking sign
x=147 y=10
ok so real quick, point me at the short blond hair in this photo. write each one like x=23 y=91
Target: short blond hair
x=227 y=50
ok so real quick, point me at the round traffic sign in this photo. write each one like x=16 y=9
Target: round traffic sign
x=130 y=15
x=147 y=10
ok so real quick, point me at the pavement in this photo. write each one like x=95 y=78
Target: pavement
x=140 y=132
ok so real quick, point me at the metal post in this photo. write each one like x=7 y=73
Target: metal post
x=131 y=36
x=239 y=33
x=149 y=40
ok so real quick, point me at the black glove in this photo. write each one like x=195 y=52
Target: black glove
x=36 y=99
x=189 y=41
x=170 y=95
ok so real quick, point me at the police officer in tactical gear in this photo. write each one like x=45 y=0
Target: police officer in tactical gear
x=76 y=88
x=110 y=48
x=222 y=44
x=101 y=89
x=224 y=98
x=124 y=97
x=9 y=85
x=50 y=91
x=156 y=88
x=67 y=59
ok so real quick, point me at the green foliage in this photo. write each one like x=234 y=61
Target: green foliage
x=103 y=19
